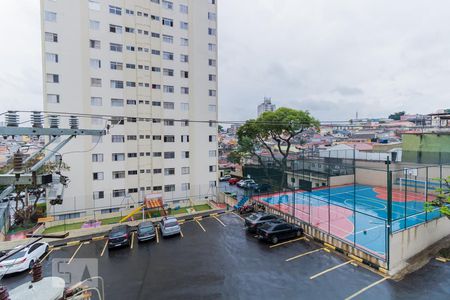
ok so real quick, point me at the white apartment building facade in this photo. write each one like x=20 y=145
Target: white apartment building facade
x=266 y=106
x=147 y=70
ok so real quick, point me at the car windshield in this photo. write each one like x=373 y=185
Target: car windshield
x=253 y=217
x=266 y=226
x=17 y=255
x=147 y=228
x=171 y=224
x=118 y=232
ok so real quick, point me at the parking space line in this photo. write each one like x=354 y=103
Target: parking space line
x=331 y=269
x=367 y=287
x=238 y=216
x=132 y=240
x=46 y=255
x=104 y=248
x=75 y=253
x=203 y=228
x=304 y=254
x=181 y=233
x=157 y=235
x=218 y=220
x=287 y=242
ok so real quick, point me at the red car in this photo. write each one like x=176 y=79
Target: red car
x=233 y=181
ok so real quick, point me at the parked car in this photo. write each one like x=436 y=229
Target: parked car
x=24 y=259
x=245 y=182
x=225 y=178
x=169 y=226
x=276 y=231
x=146 y=231
x=119 y=236
x=255 y=220
x=260 y=187
x=233 y=181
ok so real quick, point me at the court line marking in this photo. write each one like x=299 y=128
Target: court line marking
x=366 y=288
x=218 y=220
x=104 y=248
x=203 y=228
x=304 y=254
x=75 y=253
x=331 y=269
x=132 y=240
x=287 y=242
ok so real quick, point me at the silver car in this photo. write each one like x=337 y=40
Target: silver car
x=169 y=226
x=146 y=231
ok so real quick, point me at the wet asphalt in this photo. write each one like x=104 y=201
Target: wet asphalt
x=227 y=263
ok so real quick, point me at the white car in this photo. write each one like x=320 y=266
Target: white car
x=245 y=182
x=24 y=259
x=225 y=178
x=169 y=226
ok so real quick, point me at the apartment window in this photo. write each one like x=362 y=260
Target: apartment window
x=212 y=138
x=156 y=69
x=51 y=37
x=212 y=16
x=169 y=188
x=129 y=29
x=167 y=55
x=168 y=89
x=115 y=10
x=118 y=156
x=130 y=48
x=185 y=170
x=212 y=1
x=51 y=57
x=117 y=121
x=157 y=188
x=132 y=155
x=169 y=139
x=212 y=153
x=129 y=12
x=94 y=5
x=167 y=22
x=212 y=31
x=167 y=39
x=156 y=86
x=52 y=78
x=98 y=195
x=131 y=66
x=212 y=62
x=213 y=183
x=98 y=157
x=116 y=102
x=94 y=44
x=184 y=74
x=94 y=25
x=212 y=47
x=95 y=63
x=155 y=1
x=169 y=105
x=50 y=16
x=212 y=93
x=115 y=47
x=184 y=90
x=157 y=154
x=169 y=155
x=156 y=121
x=169 y=171
x=52 y=98
x=118 y=193
x=156 y=103
x=98 y=176
x=156 y=137
x=184 y=106
x=132 y=172
x=212 y=77
x=184 y=42
x=131 y=102
x=155 y=35
x=96 y=82
x=115 y=28
x=184 y=25
x=132 y=191
x=184 y=9
x=212 y=108
x=167 y=4
x=184 y=58
x=96 y=101
x=168 y=72
x=118 y=138
x=156 y=52
x=116 y=84
x=116 y=65
x=131 y=84
x=131 y=138
x=118 y=174
x=212 y=168
x=185 y=138
x=169 y=122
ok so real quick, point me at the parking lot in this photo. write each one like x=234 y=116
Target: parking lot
x=215 y=258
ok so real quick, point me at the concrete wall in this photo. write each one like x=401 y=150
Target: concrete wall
x=405 y=244
x=341 y=180
x=371 y=177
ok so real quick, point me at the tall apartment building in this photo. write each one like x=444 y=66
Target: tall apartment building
x=149 y=69
x=266 y=106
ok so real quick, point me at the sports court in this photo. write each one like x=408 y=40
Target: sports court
x=355 y=213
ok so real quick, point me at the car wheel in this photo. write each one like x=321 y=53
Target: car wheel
x=46 y=249
x=299 y=233
x=30 y=266
x=274 y=240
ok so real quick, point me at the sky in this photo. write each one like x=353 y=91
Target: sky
x=332 y=58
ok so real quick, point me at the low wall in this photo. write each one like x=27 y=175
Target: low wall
x=407 y=243
x=341 y=180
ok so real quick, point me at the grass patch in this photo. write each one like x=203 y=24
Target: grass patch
x=110 y=220
x=202 y=207
x=181 y=210
x=62 y=228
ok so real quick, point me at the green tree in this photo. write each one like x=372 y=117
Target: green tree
x=219 y=128
x=279 y=127
x=234 y=157
x=442 y=200
x=396 y=116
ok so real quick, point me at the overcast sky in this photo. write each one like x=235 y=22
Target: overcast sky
x=333 y=58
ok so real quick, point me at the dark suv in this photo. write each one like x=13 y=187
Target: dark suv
x=278 y=230
x=253 y=221
x=119 y=236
